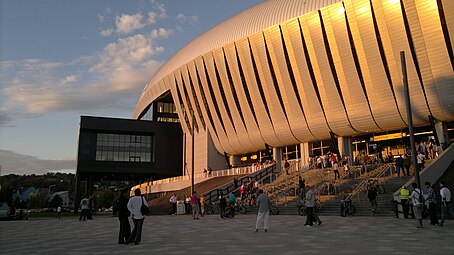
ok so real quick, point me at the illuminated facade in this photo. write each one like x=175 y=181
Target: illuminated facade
x=289 y=72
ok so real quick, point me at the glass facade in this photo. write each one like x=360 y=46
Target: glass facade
x=127 y=148
x=165 y=112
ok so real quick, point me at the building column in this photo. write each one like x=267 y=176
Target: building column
x=304 y=148
x=277 y=156
x=442 y=133
x=345 y=148
x=235 y=160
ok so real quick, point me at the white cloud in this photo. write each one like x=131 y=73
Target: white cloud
x=160 y=8
x=106 y=32
x=161 y=33
x=15 y=163
x=152 y=18
x=192 y=20
x=111 y=79
x=129 y=23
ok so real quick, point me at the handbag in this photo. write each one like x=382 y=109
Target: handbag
x=144 y=208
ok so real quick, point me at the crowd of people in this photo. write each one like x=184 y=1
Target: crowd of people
x=419 y=202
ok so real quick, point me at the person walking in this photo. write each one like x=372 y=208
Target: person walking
x=400 y=165
x=416 y=199
x=336 y=171
x=202 y=204
x=134 y=206
x=404 y=196
x=372 y=196
x=222 y=205
x=446 y=202
x=310 y=203
x=195 y=206
x=432 y=204
x=302 y=187
x=173 y=202
x=263 y=203
x=123 y=217
x=58 y=212
x=84 y=207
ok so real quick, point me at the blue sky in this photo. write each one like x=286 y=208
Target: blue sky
x=60 y=59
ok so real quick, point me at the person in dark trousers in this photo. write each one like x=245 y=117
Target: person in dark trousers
x=91 y=201
x=372 y=196
x=432 y=204
x=134 y=206
x=446 y=202
x=123 y=217
x=400 y=165
x=222 y=205
x=84 y=207
x=404 y=196
x=310 y=204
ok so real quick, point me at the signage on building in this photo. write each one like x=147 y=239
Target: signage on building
x=388 y=137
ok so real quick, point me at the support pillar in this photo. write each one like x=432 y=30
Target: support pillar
x=235 y=160
x=345 y=148
x=304 y=147
x=442 y=133
x=277 y=156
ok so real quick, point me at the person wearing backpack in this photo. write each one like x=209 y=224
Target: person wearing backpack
x=134 y=206
x=417 y=200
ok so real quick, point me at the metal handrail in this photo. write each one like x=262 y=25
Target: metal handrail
x=360 y=186
x=212 y=195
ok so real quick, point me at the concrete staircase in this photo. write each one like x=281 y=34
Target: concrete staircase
x=331 y=203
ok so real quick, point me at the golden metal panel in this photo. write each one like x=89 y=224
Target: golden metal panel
x=296 y=118
x=265 y=125
x=332 y=105
x=349 y=81
x=433 y=57
x=312 y=108
x=186 y=79
x=173 y=90
x=223 y=139
x=278 y=118
x=240 y=129
x=252 y=129
x=379 y=93
x=229 y=128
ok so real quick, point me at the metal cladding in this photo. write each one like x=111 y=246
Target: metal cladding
x=291 y=71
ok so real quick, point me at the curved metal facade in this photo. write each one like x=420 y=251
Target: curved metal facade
x=287 y=71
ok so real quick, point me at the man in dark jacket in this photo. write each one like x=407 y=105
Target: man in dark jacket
x=123 y=216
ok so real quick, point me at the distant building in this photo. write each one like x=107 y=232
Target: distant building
x=112 y=149
x=66 y=201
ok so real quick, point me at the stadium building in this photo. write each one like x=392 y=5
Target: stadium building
x=302 y=77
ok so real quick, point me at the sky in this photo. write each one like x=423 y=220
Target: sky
x=60 y=59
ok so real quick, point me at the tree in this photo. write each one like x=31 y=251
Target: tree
x=105 y=198
x=56 y=201
x=37 y=200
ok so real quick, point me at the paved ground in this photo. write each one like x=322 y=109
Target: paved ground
x=210 y=235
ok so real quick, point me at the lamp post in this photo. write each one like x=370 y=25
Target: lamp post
x=192 y=152
x=410 y=118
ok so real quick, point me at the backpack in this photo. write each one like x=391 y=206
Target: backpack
x=84 y=202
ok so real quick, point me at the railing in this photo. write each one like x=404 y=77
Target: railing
x=213 y=195
x=363 y=184
x=217 y=173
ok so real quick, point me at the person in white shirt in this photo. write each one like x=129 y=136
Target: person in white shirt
x=173 y=201
x=416 y=199
x=134 y=205
x=446 y=202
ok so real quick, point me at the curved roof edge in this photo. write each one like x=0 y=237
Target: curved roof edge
x=247 y=22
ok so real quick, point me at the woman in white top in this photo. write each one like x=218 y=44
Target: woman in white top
x=134 y=205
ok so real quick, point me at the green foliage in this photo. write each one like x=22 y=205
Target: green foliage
x=104 y=199
x=37 y=200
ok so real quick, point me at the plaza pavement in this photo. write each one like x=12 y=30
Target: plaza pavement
x=180 y=234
